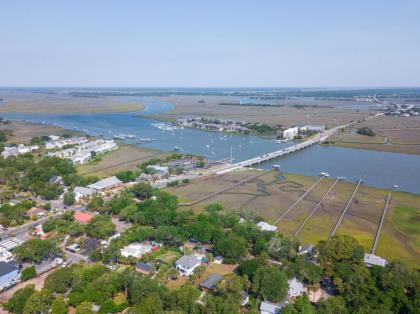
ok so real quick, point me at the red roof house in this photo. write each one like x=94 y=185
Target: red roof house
x=82 y=217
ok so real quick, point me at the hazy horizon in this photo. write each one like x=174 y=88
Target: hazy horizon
x=239 y=44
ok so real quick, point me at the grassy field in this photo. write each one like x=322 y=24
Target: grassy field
x=26 y=101
x=126 y=157
x=272 y=194
x=187 y=106
x=22 y=132
x=393 y=134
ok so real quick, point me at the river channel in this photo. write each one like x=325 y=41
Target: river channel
x=379 y=169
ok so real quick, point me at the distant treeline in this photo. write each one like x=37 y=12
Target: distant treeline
x=248 y=104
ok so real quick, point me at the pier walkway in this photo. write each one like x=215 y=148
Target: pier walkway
x=316 y=207
x=345 y=209
x=378 y=232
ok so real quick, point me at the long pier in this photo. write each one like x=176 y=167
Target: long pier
x=316 y=207
x=345 y=209
x=299 y=199
x=378 y=232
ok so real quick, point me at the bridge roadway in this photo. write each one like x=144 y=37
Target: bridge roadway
x=282 y=152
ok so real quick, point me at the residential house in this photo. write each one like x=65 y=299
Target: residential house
x=137 y=250
x=106 y=184
x=90 y=244
x=374 y=260
x=5 y=255
x=290 y=133
x=307 y=249
x=35 y=212
x=296 y=288
x=271 y=308
x=218 y=260
x=10 y=244
x=9 y=274
x=82 y=194
x=187 y=264
x=83 y=217
x=144 y=268
x=56 y=180
x=160 y=171
x=211 y=282
x=266 y=227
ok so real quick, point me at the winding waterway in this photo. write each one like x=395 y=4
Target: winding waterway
x=380 y=169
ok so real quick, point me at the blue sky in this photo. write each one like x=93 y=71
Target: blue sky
x=210 y=43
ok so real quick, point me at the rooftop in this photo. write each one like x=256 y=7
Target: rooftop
x=82 y=217
x=105 y=183
x=212 y=281
x=7 y=268
x=374 y=260
x=188 y=261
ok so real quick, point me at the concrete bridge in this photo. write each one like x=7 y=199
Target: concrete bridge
x=282 y=152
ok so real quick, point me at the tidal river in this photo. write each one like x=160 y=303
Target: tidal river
x=379 y=169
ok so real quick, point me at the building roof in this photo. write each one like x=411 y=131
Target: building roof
x=374 y=260
x=272 y=308
x=105 y=183
x=84 y=191
x=212 y=281
x=145 y=266
x=306 y=249
x=266 y=227
x=7 y=268
x=188 y=261
x=90 y=244
x=295 y=286
x=82 y=216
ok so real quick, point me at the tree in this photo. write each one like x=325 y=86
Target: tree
x=17 y=302
x=232 y=247
x=101 y=227
x=332 y=305
x=150 y=304
x=142 y=190
x=301 y=306
x=28 y=273
x=96 y=203
x=127 y=176
x=84 y=308
x=69 y=198
x=35 y=250
x=339 y=249
x=39 y=302
x=59 y=306
x=184 y=298
x=282 y=248
x=250 y=266
x=270 y=283
x=60 y=281
x=366 y=131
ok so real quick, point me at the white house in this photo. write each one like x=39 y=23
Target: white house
x=187 y=264
x=160 y=170
x=82 y=193
x=374 y=260
x=266 y=227
x=136 y=250
x=290 y=133
x=296 y=288
x=9 y=274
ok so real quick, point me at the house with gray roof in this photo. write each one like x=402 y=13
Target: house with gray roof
x=211 y=282
x=374 y=260
x=187 y=264
x=271 y=308
x=9 y=274
x=105 y=184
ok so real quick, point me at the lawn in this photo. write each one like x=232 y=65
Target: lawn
x=126 y=157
